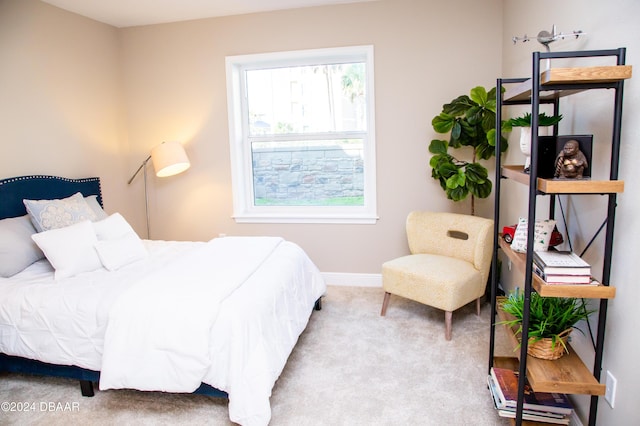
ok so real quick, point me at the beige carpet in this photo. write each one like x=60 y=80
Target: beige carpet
x=350 y=367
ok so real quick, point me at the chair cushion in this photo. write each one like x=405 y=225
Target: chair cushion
x=442 y=282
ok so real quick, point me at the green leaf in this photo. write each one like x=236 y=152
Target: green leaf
x=438 y=146
x=480 y=190
x=491 y=137
x=458 y=106
x=485 y=151
x=447 y=169
x=442 y=123
x=456 y=180
x=474 y=115
x=467 y=135
x=456 y=131
x=476 y=173
x=479 y=95
x=457 y=194
x=488 y=120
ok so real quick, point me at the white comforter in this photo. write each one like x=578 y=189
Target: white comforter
x=240 y=329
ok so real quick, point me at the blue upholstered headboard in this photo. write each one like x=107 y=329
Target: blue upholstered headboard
x=38 y=187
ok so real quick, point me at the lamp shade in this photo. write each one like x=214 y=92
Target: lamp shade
x=169 y=158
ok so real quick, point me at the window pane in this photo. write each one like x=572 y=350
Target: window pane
x=307 y=99
x=308 y=173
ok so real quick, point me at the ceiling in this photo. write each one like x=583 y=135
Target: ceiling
x=128 y=13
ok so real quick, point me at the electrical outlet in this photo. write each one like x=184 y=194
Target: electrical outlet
x=610 y=392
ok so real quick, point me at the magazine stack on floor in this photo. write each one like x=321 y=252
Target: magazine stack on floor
x=561 y=267
x=538 y=406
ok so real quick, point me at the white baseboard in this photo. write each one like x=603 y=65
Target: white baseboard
x=352 y=280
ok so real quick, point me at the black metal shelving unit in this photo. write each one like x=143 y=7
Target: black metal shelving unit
x=548 y=87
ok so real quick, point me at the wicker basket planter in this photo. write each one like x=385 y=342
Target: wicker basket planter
x=546 y=349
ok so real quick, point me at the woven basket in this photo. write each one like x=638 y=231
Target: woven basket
x=545 y=349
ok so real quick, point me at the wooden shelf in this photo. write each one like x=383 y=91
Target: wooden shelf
x=564 y=186
x=569 y=76
x=567 y=374
x=599 y=291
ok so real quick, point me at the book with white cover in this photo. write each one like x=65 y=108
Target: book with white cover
x=563 y=278
x=561 y=263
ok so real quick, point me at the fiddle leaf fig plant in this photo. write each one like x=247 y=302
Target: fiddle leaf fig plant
x=470 y=122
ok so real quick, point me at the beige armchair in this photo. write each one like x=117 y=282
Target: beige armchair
x=448 y=266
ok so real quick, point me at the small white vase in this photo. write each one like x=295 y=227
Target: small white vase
x=525 y=143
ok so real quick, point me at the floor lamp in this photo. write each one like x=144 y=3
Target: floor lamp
x=169 y=158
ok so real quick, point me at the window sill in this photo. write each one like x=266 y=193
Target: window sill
x=337 y=219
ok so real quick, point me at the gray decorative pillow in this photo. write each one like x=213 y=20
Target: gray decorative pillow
x=17 y=249
x=92 y=200
x=53 y=214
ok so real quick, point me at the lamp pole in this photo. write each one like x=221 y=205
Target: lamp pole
x=143 y=167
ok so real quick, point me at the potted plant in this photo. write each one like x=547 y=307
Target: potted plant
x=470 y=120
x=544 y=122
x=551 y=319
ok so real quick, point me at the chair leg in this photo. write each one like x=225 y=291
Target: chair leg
x=478 y=306
x=447 y=324
x=385 y=303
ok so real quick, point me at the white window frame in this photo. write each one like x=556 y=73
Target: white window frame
x=244 y=210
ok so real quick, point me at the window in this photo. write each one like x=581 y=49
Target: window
x=301 y=134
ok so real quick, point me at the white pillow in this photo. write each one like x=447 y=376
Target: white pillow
x=17 y=249
x=113 y=227
x=118 y=244
x=70 y=250
x=53 y=214
x=542 y=235
x=114 y=254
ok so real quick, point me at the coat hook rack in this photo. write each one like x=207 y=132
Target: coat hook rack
x=545 y=37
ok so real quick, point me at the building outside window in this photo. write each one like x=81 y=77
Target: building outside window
x=302 y=136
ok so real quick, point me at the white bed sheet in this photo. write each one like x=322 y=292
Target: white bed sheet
x=64 y=322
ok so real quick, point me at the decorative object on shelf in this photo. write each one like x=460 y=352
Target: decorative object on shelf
x=524 y=122
x=571 y=161
x=545 y=37
x=543 y=229
x=551 y=147
x=509 y=232
x=471 y=122
x=551 y=319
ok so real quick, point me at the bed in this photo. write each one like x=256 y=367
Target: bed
x=218 y=317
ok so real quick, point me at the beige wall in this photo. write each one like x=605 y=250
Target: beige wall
x=175 y=90
x=83 y=98
x=61 y=98
x=608 y=25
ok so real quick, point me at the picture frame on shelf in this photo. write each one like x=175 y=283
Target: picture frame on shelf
x=550 y=148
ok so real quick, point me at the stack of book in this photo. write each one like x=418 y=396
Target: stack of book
x=538 y=406
x=561 y=267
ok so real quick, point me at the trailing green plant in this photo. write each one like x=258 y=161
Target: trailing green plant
x=543 y=120
x=470 y=121
x=549 y=317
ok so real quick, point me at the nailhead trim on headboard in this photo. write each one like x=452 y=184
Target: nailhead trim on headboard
x=30 y=177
